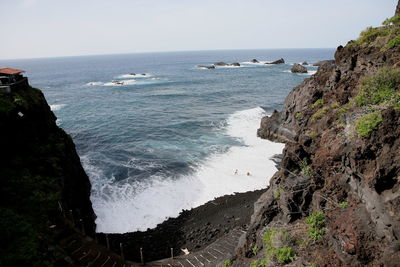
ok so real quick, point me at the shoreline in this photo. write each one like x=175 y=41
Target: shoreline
x=193 y=229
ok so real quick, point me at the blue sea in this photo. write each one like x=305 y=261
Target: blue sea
x=156 y=134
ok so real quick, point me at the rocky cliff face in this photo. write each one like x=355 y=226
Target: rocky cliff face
x=336 y=199
x=41 y=179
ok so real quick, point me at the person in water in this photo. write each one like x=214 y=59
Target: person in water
x=236 y=171
x=248 y=174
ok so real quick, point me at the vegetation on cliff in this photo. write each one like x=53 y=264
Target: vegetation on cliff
x=337 y=192
x=40 y=176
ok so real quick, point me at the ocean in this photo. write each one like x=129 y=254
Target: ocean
x=157 y=135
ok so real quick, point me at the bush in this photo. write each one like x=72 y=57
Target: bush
x=368 y=123
x=319 y=113
x=255 y=250
x=379 y=88
x=317 y=103
x=316 y=223
x=227 y=263
x=305 y=168
x=285 y=255
x=298 y=115
x=278 y=192
x=343 y=204
x=395 y=20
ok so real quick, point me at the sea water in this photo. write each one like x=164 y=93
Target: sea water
x=157 y=135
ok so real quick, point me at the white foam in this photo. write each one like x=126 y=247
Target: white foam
x=260 y=63
x=56 y=107
x=130 y=206
x=309 y=72
x=135 y=75
x=94 y=83
x=120 y=82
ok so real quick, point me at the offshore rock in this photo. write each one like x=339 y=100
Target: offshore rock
x=297 y=68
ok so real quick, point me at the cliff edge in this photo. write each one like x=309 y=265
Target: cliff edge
x=42 y=181
x=336 y=199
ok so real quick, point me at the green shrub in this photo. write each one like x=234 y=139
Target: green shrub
x=393 y=43
x=255 y=250
x=368 y=123
x=343 y=204
x=305 y=168
x=227 y=263
x=316 y=223
x=317 y=103
x=395 y=20
x=379 y=88
x=285 y=255
x=259 y=263
x=298 y=115
x=278 y=192
x=312 y=133
x=319 y=113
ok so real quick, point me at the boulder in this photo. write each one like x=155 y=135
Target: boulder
x=297 y=68
x=221 y=64
x=206 y=67
x=235 y=64
x=304 y=63
x=279 y=61
x=254 y=61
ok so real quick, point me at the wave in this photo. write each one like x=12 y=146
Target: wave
x=309 y=72
x=56 y=107
x=120 y=83
x=135 y=75
x=131 y=205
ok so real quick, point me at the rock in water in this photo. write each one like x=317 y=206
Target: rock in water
x=254 y=61
x=221 y=64
x=279 y=61
x=206 y=67
x=297 y=68
x=304 y=63
x=235 y=64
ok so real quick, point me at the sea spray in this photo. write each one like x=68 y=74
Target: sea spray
x=128 y=206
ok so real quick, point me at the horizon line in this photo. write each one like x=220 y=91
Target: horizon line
x=167 y=51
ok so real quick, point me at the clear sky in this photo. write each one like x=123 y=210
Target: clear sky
x=48 y=28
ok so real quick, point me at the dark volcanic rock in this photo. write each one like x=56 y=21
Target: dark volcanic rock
x=254 y=61
x=304 y=63
x=279 y=61
x=223 y=64
x=325 y=163
x=297 y=68
x=206 y=67
x=41 y=174
x=322 y=62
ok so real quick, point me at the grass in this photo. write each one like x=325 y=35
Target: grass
x=312 y=134
x=368 y=123
x=319 y=113
x=298 y=115
x=305 y=168
x=278 y=193
x=255 y=250
x=380 y=88
x=384 y=37
x=317 y=103
x=285 y=255
x=316 y=223
x=227 y=263
x=343 y=204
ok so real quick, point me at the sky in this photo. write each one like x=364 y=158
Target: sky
x=51 y=28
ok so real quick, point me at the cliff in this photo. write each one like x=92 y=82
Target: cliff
x=335 y=200
x=41 y=180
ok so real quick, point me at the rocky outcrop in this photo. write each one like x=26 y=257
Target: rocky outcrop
x=223 y=64
x=322 y=62
x=329 y=167
x=304 y=63
x=211 y=67
x=254 y=61
x=42 y=180
x=279 y=61
x=297 y=68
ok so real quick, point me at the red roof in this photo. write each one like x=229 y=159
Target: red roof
x=10 y=71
